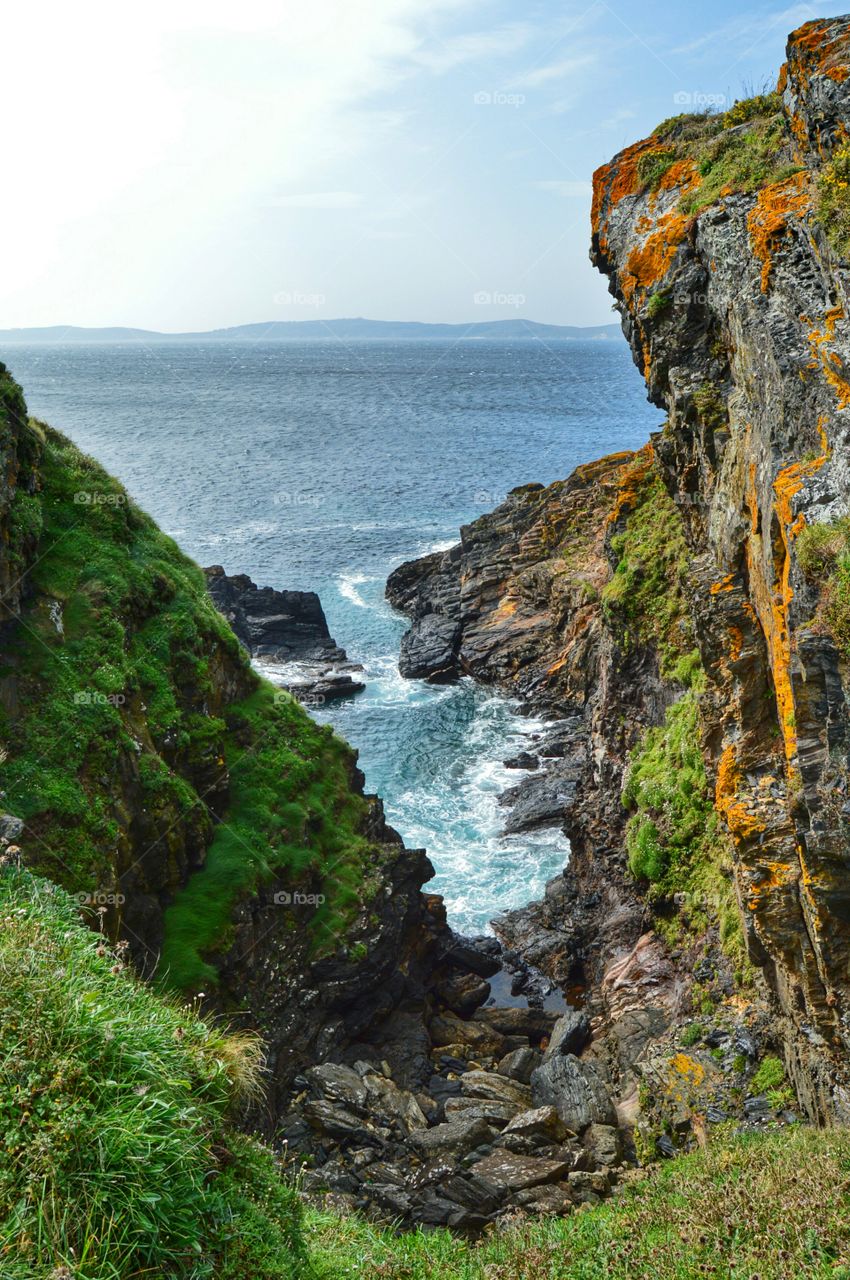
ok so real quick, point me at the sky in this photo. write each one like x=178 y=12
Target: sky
x=199 y=163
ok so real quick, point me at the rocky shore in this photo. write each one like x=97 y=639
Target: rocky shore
x=287 y=632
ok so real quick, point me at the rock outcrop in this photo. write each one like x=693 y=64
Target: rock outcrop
x=683 y=608
x=287 y=632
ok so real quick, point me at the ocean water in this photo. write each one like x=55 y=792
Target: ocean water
x=321 y=466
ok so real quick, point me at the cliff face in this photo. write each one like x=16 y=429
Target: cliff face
x=686 y=608
x=735 y=305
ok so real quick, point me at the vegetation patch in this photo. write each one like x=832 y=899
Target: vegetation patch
x=768 y=1206
x=832 y=204
x=110 y=761
x=118 y=1154
x=644 y=600
x=740 y=150
x=823 y=552
x=674 y=838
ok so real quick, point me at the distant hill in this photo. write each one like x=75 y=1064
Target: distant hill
x=302 y=330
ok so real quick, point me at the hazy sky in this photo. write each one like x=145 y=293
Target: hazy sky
x=196 y=163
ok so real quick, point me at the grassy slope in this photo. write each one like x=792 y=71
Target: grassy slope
x=126 y=717
x=768 y=1207
x=117 y=1157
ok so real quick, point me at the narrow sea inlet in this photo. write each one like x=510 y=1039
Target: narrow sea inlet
x=322 y=466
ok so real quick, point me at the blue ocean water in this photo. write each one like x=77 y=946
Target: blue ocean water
x=322 y=466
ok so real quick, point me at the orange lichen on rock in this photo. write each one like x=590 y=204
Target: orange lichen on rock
x=773 y=598
x=725 y=584
x=736 y=642
x=682 y=174
x=613 y=182
x=629 y=482
x=648 y=263
x=822 y=358
x=740 y=821
x=767 y=221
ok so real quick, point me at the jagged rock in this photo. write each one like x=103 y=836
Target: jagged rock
x=570 y=1034
x=515 y=1172
x=457 y=1137
x=523 y=760
x=519 y=1064
x=491 y=1085
x=428 y=651
x=575 y=1089
x=286 y=628
x=480 y=955
x=543 y=798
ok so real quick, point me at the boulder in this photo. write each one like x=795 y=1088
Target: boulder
x=463 y=993
x=448 y=1029
x=543 y=1121
x=456 y=1137
x=491 y=1085
x=570 y=1034
x=576 y=1089
x=515 y=1173
x=493 y=1113
x=604 y=1145
x=519 y=1064
x=517 y=1020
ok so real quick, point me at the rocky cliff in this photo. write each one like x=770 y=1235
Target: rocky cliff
x=685 y=609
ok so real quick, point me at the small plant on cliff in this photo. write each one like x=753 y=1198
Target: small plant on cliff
x=833 y=200
x=823 y=552
x=710 y=406
x=653 y=165
x=658 y=303
x=769 y=1075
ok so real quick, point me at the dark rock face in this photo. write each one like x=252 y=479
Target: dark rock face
x=286 y=628
x=758 y=314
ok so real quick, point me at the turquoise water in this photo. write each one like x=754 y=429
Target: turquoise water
x=322 y=466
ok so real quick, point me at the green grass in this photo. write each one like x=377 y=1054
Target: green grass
x=139 y=735
x=742 y=149
x=117 y=1154
x=771 y=1207
x=823 y=551
x=833 y=200
x=674 y=838
x=644 y=601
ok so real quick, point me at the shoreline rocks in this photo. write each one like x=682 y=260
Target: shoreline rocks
x=287 y=633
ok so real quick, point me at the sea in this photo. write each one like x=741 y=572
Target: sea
x=322 y=465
